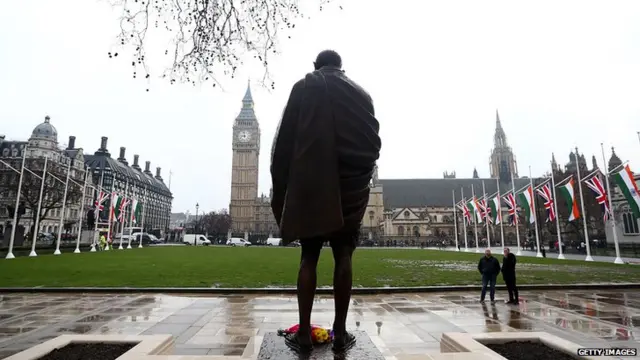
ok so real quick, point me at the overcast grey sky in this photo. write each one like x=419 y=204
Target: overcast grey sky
x=562 y=73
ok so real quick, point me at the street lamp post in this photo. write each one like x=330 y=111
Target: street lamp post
x=195 y=242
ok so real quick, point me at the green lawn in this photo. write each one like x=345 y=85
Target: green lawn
x=263 y=267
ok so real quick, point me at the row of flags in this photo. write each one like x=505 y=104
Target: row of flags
x=488 y=209
x=118 y=207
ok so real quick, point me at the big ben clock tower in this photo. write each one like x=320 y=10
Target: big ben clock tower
x=244 y=170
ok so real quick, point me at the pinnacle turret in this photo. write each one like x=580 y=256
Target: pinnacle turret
x=248 y=98
x=500 y=138
x=614 y=161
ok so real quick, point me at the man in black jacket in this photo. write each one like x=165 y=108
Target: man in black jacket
x=509 y=276
x=489 y=268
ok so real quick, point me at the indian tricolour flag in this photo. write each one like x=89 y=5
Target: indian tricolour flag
x=629 y=188
x=115 y=205
x=136 y=207
x=494 y=204
x=475 y=209
x=526 y=198
x=568 y=191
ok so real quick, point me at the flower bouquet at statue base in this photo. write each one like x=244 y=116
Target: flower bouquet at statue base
x=319 y=335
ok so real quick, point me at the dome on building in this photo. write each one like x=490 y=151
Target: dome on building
x=45 y=130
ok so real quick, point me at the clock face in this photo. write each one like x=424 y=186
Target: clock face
x=244 y=136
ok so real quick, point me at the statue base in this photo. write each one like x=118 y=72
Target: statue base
x=273 y=347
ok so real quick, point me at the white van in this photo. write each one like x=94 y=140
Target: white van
x=190 y=239
x=238 y=242
x=274 y=242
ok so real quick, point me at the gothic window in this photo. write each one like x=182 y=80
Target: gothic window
x=401 y=230
x=416 y=231
x=5 y=152
x=630 y=223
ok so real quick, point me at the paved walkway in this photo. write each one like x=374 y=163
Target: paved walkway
x=398 y=325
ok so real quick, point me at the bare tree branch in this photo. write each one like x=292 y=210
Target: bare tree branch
x=207 y=37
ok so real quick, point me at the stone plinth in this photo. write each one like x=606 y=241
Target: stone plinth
x=475 y=343
x=146 y=345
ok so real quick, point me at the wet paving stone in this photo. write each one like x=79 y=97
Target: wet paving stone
x=237 y=324
x=97 y=318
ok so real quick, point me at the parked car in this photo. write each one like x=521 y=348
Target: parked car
x=274 y=242
x=238 y=242
x=294 y=243
x=190 y=239
x=146 y=239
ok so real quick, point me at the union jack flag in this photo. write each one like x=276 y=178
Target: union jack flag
x=102 y=197
x=510 y=200
x=601 y=196
x=545 y=193
x=465 y=211
x=485 y=210
x=123 y=207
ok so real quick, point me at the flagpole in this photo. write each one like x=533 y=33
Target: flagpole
x=455 y=218
x=131 y=223
x=486 y=203
x=555 y=208
x=499 y=213
x=475 y=218
x=109 y=246
x=64 y=201
x=15 y=211
x=516 y=221
x=124 y=216
x=97 y=212
x=584 y=214
x=464 y=223
x=37 y=223
x=84 y=189
x=533 y=213
x=142 y=222
x=618 y=259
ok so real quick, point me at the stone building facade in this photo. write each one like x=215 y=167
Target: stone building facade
x=132 y=182
x=422 y=209
x=251 y=213
x=43 y=143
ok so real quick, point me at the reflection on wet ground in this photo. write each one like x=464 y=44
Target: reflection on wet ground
x=397 y=324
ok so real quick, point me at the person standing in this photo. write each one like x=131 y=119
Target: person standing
x=489 y=268
x=323 y=159
x=509 y=276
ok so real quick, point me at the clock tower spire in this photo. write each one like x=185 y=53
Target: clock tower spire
x=245 y=166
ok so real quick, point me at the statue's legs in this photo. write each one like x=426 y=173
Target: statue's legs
x=307 y=282
x=343 y=245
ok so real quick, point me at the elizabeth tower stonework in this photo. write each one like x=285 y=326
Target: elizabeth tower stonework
x=244 y=171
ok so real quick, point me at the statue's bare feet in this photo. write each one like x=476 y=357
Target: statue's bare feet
x=343 y=342
x=299 y=342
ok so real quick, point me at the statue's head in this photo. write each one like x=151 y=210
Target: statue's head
x=328 y=58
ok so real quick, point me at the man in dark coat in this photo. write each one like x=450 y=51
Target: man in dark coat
x=509 y=276
x=323 y=158
x=489 y=268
